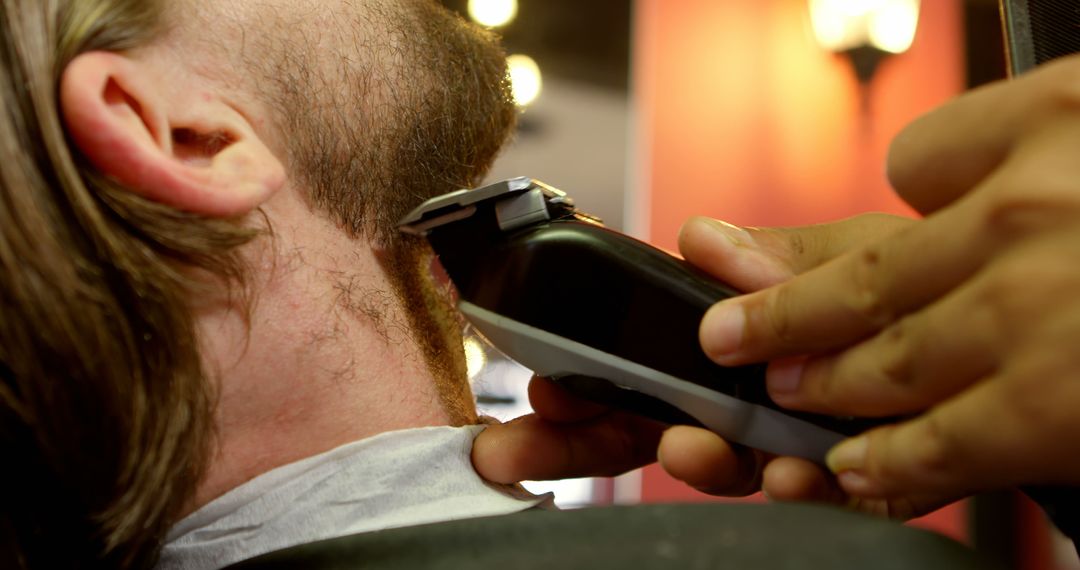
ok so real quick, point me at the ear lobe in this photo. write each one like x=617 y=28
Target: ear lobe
x=174 y=144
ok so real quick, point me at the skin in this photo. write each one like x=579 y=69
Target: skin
x=960 y=321
x=326 y=345
x=964 y=321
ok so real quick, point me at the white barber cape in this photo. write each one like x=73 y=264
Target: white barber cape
x=394 y=479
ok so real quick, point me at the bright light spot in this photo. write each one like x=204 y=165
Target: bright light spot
x=829 y=26
x=475 y=359
x=836 y=23
x=892 y=28
x=524 y=79
x=569 y=493
x=859 y=7
x=493 y=13
x=889 y=25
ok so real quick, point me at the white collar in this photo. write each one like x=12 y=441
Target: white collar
x=393 y=479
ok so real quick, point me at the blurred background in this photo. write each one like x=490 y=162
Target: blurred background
x=757 y=112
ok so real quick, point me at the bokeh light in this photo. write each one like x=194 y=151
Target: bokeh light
x=524 y=78
x=493 y=13
x=475 y=358
x=888 y=25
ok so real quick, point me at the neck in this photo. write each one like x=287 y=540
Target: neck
x=324 y=358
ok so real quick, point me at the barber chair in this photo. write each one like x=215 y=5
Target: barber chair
x=1037 y=31
x=653 y=537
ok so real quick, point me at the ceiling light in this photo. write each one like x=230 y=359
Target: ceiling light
x=493 y=13
x=525 y=79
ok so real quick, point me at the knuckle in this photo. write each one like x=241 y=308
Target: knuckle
x=931 y=453
x=878 y=375
x=797 y=243
x=938 y=451
x=778 y=316
x=869 y=301
x=824 y=384
x=1016 y=211
x=895 y=365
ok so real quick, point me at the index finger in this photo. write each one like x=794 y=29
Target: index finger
x=946 y=153
x=850 y=297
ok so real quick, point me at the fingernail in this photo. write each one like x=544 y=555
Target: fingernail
x=857 y=483
x=848 y=455
x=733 y=233
x=722 y=329
x=784 y=376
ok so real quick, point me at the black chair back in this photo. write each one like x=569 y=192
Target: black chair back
x=1037 y=31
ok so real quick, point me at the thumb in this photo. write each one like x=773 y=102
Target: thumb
x=533 y=448
x=751 y=259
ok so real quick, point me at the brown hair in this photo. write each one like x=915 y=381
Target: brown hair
x=105 y=413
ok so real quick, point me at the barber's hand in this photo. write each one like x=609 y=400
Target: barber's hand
x=568 y=437
x=969 y=320
x=751 y=259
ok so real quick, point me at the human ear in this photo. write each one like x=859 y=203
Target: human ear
x=165 y=136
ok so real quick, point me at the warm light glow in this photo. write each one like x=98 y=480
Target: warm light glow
x=888 y=25
x=475 y=358
x=858 y=7
x=493 y=13
x=892 y=28
x=524 y=79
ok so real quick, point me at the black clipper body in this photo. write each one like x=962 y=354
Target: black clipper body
x=610 y=317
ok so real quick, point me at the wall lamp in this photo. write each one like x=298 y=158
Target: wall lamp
x=866 y=30
x=493 y=13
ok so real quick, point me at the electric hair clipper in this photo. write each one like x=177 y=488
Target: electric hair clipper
x=607 y=316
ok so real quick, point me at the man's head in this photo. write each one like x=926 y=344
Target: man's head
x=382 y=108
x=200 y=278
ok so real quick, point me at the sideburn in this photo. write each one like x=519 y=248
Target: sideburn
x=418 y=109
x=434 y=324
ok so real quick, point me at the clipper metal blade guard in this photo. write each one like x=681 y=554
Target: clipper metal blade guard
x=609 y=317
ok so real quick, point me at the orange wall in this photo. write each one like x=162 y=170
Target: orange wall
x=744 y=118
